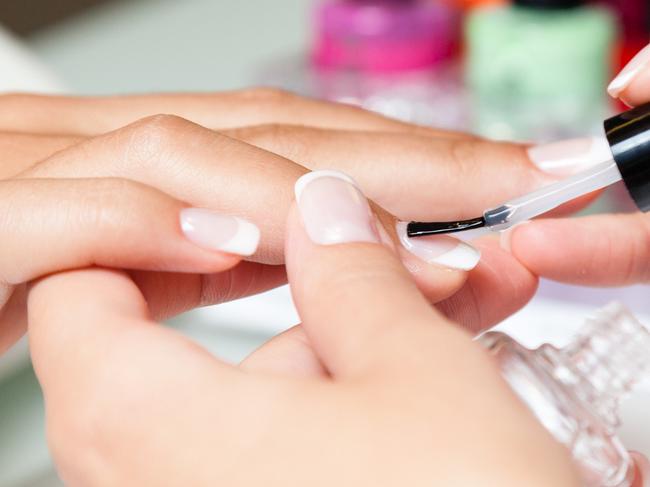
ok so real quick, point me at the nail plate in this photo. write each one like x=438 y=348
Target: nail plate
x=442 y=250
x=629 y=72
x=570 y=156
x=214 y=231
x=333 y=209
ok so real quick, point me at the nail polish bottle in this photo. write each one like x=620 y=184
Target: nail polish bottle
x=396 y=57
x=575 y=391
x=537 y=69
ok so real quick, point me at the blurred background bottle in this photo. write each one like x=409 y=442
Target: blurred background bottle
x=538 y=69
x=634 y=20
x=396 y=57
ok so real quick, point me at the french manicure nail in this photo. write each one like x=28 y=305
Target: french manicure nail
x=570 y=156
x=333 y=209
x=629 y=72
x=442 y=250
x=214 y=231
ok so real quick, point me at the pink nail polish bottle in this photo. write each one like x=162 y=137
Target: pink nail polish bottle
x=575 y=391
x=396 y=57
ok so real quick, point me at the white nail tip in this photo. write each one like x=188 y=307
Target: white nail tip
x=570 y=156
x=629 y=72
x=245 y=240
x=435 y=250
x=224 y=233
x=304 y=180
x=462 y=257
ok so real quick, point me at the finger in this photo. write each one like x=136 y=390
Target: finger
x=632 y=84
x=12 y=316
x=642 y=473
x=351 y=291
x=427 y=178
x=104 y=366
x=210 y=170
x=21 y=151
x=288 y=353
x=91 y=116
x=169 y=294
x=106 y=309
x=52 y=225
x=601 y=250
x=193 y=164
x=498 y=287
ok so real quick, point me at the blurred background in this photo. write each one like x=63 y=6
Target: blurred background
x=532 y=70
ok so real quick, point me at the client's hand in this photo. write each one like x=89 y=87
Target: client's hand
x=135 y=198
x=387 y=393
x=414 y=172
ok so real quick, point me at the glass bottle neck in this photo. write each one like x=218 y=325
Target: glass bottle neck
x=604 y=361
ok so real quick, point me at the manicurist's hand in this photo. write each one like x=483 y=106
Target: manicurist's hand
x=601 y=250
x=388 y=391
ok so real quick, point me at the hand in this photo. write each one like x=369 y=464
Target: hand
x=390 y=394
x=392 y=160
x=601 y=250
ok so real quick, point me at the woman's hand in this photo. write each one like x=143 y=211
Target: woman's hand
x=600 y=250
x=401 y=166
x=387 y=393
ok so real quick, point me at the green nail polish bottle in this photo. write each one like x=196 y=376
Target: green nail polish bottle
x=538 y=69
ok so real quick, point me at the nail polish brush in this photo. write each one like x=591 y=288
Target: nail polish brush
x=628 y=136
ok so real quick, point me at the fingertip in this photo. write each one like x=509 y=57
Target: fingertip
x=642 y=470
x=631 y=84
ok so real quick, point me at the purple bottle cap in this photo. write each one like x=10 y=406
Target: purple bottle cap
x=385 y=35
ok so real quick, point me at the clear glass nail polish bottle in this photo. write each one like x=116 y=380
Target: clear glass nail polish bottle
x=575 y=391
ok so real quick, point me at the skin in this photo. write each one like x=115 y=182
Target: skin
x=601 y=250
x=360 y=405
x=163 y=163
x=56 y=148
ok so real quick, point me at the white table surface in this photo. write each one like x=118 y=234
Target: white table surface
x=148 y=45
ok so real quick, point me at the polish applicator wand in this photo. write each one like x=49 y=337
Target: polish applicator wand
x=628 y=136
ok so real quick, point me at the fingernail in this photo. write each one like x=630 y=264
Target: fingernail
x=629 y=72
x=570 y=156
x=333 y=209
x=445 y=251
x=213 y=231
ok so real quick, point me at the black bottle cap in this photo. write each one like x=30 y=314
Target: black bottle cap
x=550 y=4
x=629 y=138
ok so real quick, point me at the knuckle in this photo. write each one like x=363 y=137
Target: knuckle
x=463 y=155
x=285 y=140
x=152 y=137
